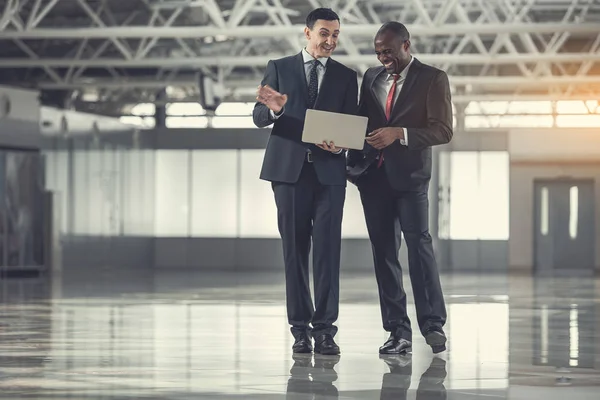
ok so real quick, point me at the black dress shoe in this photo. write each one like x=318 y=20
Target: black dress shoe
x=302 y=345
x=325 y=345
x=436 y=339
x=396 y=345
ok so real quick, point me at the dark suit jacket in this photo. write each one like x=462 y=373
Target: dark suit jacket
x=285 y=153
x=424 y=109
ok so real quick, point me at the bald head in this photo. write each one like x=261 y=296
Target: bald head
x=396 y=29
x=392 y=46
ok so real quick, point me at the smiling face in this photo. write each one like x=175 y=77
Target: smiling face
x=392 y=51
x=322 y=38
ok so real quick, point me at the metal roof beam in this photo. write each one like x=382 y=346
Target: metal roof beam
x=189 y=80
x=250 y=31
x=368 y=59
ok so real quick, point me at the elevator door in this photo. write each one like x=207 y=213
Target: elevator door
x=564 y=226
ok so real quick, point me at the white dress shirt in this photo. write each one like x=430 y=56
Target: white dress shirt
x=308 y=66
x=383 y=84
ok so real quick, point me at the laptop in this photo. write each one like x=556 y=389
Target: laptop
x=347 y=131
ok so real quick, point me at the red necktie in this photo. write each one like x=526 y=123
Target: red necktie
x=388 y=109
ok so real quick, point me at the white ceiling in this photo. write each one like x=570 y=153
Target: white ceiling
x=128 y=50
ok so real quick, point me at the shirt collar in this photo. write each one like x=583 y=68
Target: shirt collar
x=308 y=58
x=403 y=73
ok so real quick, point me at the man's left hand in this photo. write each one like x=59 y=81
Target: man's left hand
x=383 y=137
x=330 y=147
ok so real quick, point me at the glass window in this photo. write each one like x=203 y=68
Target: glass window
x=544 y=212
x=63 y=186
x=479 y=196
x=143 y=109
x=80 y=210
x=444 y=195
x=235 y=109
x=464 y=189
x=172 y=193
x=573 y=211
x=140 y=122
x=354 y=225
x=134 y=180
x=509 y=121
x=258 y=213
x=571 y=107
x=486 y=107
x=593 y=106
x=508 y=107
x=493 y=195
x=186 y=122
x=233 y=122
x=530 y=107
x=214 y=204
x=578 y=121
x=185 y=109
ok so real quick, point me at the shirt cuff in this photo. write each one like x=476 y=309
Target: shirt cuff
x=404 y=141
x=275 y=116
x=339 y=151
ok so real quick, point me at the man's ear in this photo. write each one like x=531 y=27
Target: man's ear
x=307 y=32
x=407 y=45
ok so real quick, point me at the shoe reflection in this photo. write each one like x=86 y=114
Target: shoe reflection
x=313 y=380
x=395 y=384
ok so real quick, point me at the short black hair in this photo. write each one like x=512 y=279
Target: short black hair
x=396 y=28
x=326 y=14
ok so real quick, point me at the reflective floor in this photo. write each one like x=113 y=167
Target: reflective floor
x=183 y=335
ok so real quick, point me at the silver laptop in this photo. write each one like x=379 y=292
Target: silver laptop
x=343 y=130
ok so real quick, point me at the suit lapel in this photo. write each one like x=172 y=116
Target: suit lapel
x=300 y=74
x=368 y=149
x=378 y=72
x=411 y=78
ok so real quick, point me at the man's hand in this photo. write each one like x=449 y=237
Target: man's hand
x=330 y=147
x=271 y=98
x=383 y=137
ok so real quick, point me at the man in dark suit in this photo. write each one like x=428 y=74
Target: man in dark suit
x=409 y=110
x=309 y=181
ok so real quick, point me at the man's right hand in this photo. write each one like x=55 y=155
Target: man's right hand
x=271 y=98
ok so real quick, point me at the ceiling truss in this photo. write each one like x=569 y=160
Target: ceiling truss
x=118 y=49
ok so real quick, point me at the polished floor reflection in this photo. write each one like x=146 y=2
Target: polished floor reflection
x=183 y=335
